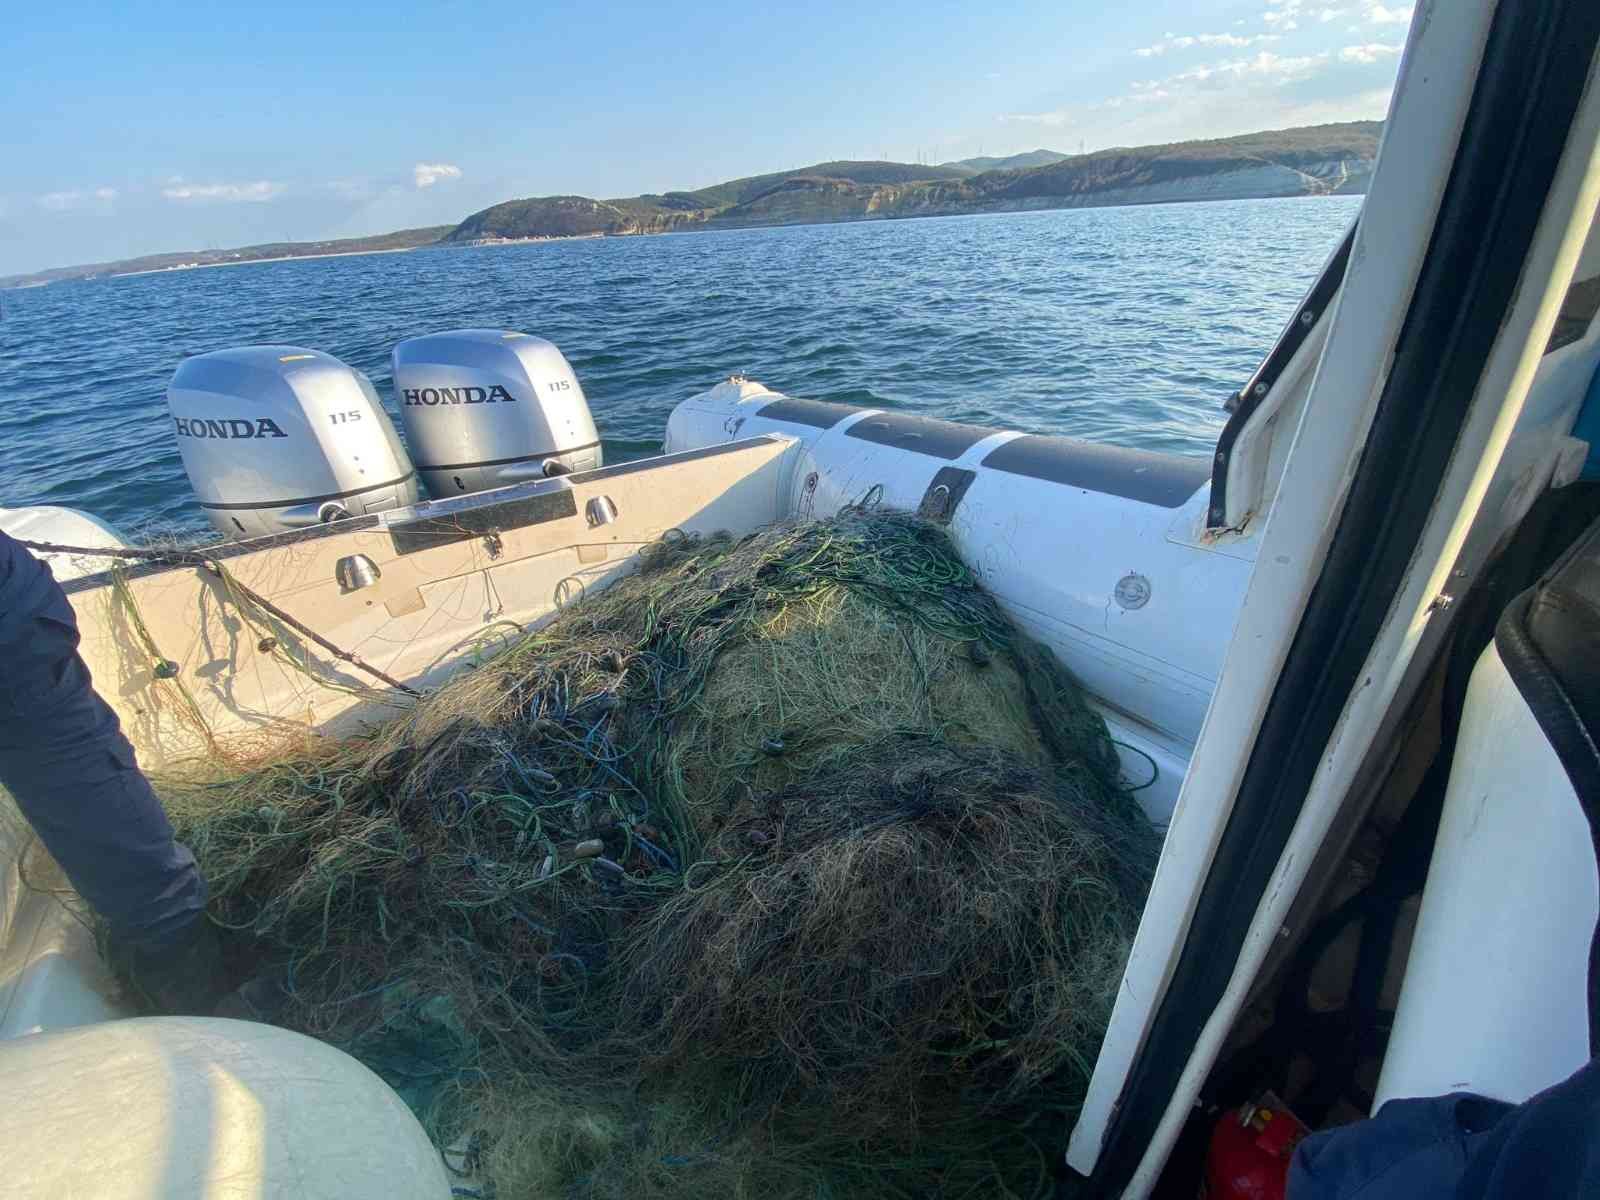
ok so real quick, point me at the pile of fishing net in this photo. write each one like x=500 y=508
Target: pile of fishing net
x=786 y=866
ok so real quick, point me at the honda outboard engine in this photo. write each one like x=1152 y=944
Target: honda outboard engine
x=277 y=438
x=484 y=408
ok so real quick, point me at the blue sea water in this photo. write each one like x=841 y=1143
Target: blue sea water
x=1126 y=325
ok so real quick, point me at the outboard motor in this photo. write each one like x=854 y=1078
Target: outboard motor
x=277 y=438
x=484 y=408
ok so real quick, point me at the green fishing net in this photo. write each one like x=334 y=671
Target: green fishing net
x=785 y=866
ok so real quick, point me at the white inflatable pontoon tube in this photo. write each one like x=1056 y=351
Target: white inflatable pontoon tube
x=66 y=527
x=182 y=1108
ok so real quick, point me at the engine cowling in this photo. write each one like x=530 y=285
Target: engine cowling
x=484 y=408
x=279 y=437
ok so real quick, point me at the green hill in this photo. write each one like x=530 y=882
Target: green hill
x=548 y=216
x=742 y=191
x=558 y=216
x=1011 y=162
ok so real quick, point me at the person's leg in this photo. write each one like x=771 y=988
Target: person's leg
x=75 y=778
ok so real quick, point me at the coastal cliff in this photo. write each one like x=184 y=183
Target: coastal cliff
x=1310 y=161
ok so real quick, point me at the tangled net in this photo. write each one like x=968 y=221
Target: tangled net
x=785 y=866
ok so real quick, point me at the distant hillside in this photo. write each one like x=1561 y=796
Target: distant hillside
x=545 y=216
x=401 y=239
x=742 y=191
x=1313 y=160
x=565 y=216
x=1011 y=162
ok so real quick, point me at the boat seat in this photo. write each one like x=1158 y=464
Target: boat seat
x=1549 y=638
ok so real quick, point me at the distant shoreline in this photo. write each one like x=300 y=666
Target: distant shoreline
x=180 y=268
x=484 y=242
x=495 y=242
x=248 y=262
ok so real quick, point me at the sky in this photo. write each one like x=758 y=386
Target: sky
x=132 y=128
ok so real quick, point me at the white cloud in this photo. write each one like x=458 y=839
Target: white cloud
x=1377 y=14
x=1282 y=13
x=77 y=198
x=1217 y=108
x=1330 y=14
x=1264 y=65
x=1368 y=54
x=230 y=193
x=1229 y=40
x=1242 y=75
x=428 y=174
x=1146 y=93
x=1051 y=119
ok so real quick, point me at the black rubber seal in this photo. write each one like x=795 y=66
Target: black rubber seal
x=819 y=414
x=921 y=435
x=1244 y=403
x=1534 y=69
x=1165 y=480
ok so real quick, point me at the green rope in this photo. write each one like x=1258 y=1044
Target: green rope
x=164 y=671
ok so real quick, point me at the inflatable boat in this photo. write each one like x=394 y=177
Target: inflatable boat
x=1349 y=655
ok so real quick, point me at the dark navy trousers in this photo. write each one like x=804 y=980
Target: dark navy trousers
x=1461 y=1147
x=73 y=774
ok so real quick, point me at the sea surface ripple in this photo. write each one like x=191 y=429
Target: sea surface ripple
x=1124 y=325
